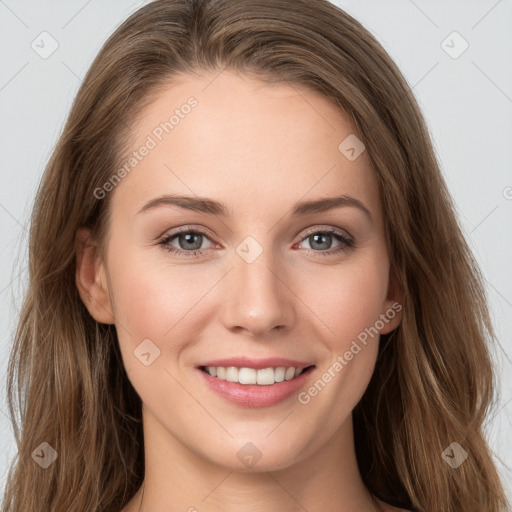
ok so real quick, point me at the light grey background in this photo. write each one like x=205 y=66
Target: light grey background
x=467 y=103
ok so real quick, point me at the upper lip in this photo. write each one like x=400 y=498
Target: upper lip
x=257 y=364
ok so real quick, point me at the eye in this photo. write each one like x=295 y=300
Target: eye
x=190 y=241
x=319 y=240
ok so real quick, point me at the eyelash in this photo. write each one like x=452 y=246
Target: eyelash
x=347 y=243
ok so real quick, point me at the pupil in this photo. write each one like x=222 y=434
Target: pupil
x=192 y=235
x=315 y=237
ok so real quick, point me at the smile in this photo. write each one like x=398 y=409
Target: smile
x=255 y=383
x=252 y=376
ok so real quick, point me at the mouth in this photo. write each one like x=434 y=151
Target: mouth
x=251 y=383
x=251 y=376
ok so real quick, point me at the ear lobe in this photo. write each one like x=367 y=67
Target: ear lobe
x=90 y=278
x=393 y=305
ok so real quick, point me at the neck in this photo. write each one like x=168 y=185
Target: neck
x=177 y=477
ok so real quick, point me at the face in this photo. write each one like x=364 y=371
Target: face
x=264 y=284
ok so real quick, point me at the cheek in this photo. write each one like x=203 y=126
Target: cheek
x=158 y=301
x=349 y=302
x=347 y=299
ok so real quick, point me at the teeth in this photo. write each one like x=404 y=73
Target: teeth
x=232 y=374
x=263 y=377
x=247 y=376
x=290 y=373
x=279 y=374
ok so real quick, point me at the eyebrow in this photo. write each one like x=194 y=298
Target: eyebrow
x=206 y=205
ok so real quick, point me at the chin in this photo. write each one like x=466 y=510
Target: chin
x=259 y=455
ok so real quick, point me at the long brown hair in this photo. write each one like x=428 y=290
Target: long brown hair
x=433 y=383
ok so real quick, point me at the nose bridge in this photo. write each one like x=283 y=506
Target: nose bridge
x=256 y=296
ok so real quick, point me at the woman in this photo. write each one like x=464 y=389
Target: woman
x=248 y=371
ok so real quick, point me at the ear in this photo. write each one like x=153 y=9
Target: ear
x=391 y=315
x=91 y=278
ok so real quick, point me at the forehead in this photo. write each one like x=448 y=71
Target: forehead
x=243 y=141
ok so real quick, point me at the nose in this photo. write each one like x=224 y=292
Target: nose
x=257 y=297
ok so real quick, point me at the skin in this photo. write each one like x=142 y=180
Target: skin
x=259 y=148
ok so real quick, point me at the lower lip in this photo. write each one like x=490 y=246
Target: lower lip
x=254 y=396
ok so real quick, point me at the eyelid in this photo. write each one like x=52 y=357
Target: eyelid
x=185 y=229
x=327 y=229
